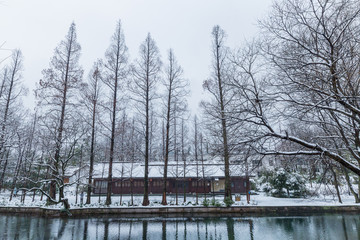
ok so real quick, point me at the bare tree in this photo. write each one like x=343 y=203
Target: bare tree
x=115 y=73
x=196 y=155
x=218 y=108
x=57 y=96
x=184 y=153
x=21 y=145
x=146 y=71
x=134 y=145
x=91 y=95
x=12 y=121
x=314 y=54
x=176 y=90
x=309 y=75
x=11 y=89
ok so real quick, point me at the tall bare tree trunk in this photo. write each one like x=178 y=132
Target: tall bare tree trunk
x=146 y=176
x=94 y=94
x=112 y=145
x=116 y=62
x=167 y=141
x=218 y=35
x=183 y=156
x=176 y=88
x=145 y=73
x=196 y=158
x=202 y=164
x=63 y=75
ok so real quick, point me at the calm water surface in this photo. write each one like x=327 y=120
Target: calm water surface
x=290 y=227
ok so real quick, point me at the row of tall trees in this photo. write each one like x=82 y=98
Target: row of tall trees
x=98 y=113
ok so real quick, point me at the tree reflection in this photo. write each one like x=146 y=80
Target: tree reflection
x=85 y=229
x=251 y=226
x=230 y=228
x=145 y=225
x=61 y=229
x=130 y=228
x=106 y=229
x=176 y=229
x=345 y=226
x=163 y=230
x=185 y=231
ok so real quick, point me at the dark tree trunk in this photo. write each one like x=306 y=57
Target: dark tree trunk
x=147 y=134
x=116 y=60
x=132 y=191
x=353 y=192
x=223 y=125
x=202 y=165
x=37 y=178
x=196 y=158
x=185 y=181
x=4 y=169
x=336 y=183
x=112 y=144
x=92 y=153
x=146 y=176
x=167 y=140
x=146 y=72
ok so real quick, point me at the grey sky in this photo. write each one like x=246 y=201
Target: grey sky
x=36 y=27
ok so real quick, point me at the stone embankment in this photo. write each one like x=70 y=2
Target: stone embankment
x=183 y=211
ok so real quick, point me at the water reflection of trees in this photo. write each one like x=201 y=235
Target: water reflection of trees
x=318 y=227
x=183 y=228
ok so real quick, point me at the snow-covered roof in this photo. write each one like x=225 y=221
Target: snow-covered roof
x=156 y=170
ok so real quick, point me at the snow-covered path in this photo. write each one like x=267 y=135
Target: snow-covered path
x=155 y=200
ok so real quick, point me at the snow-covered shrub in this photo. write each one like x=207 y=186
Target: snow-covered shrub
x=206 y=203
x=266 y=187
x=279 y=184
x=282 y=183
x=254 y=185
x=215 y=203
x=228 y=202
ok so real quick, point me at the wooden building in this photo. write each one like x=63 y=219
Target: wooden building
x=128 y=178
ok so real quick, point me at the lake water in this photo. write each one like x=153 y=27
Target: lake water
x=333 y=226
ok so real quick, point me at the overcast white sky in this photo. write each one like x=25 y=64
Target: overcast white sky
x=37 y=26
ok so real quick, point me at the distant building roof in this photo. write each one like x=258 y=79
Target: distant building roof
x=156 y=170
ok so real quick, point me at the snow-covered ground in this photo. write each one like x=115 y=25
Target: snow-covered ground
x=263 y=200
x=155 y=200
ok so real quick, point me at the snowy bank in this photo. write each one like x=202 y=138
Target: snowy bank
x=259 y=204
